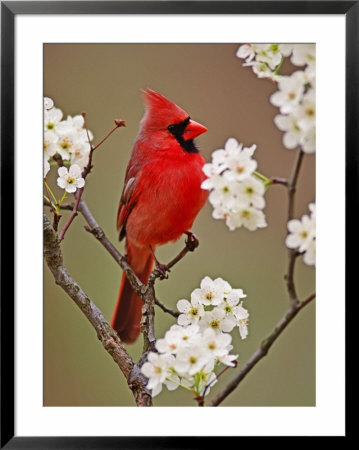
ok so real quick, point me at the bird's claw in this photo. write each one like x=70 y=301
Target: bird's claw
x=192 y=241
x=162 y=270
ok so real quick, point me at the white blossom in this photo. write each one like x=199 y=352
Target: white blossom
x=216 y=344
x=211 y=292
x=52 y=118
x=191 y=359
x=251 y=192
x=234 y=156
x=48 y=103
x=305 y=112
x=310 y=254
x=50 y=144
x=171 y=342
x=217 y=320
x=264 y=58
x=234 y=188
x=262 y=70
x=303 y=54
x=189 y=355
x=228 y=359
x=302 y=235
x=67 y=137
x=70 y=179
x=293 y=134
x=75 y=125
x=224 y=191
x=46 y=167
x=289 y=95
x=249 y=217
x=191 y=311
x=308 y=141
x=157 y=370
x=242 y=317
x=295 y=96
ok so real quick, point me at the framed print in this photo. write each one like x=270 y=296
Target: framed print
x=161 y=252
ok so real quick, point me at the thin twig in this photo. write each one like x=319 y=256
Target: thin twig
x=263 y=349
x=166 y=309
x=118 y=123
x=213 y=381
x=72 y=215
x=87 y=169
x=292 y=185
x=191 y=244
x=57 y=216
x=65 y=206
x=278 y=180
x=292 y=253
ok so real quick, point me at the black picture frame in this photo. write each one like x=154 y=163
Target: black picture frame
x=9 y=10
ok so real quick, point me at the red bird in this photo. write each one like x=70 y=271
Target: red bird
x=161 y=197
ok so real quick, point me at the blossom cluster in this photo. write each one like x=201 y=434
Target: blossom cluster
x=68 y=139
x=237 y=194
x=302 y=235
x=193 y=349
x=265 y=59
x=295 y=97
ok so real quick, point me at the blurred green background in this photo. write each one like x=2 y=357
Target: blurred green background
x=209 y=82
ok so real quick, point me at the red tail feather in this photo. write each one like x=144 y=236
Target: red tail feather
x=128 y=310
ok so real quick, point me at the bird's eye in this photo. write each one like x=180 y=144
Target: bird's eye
x=171 y=128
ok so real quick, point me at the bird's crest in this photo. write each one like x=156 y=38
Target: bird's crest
x=160 y=109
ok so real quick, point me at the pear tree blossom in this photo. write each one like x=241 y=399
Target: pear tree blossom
x=191 y=351
x=70 y=179
x=51 y=146
x=265 y=59
x=46 y=167
x=302 y=235
x=191 y=311
x=295 y=96
x=303 y=54
x=290 y=92
x=211 y=291
x=64 y=137
x=48 y=103
x=157 y=369
x=236 y=193
x=52 y=118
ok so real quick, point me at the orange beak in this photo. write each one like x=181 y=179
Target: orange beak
x=193 y=129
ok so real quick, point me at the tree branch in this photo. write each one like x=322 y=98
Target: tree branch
x=166 y=309
x=292 y=253
x=263 y=349
x=292 y=185
x=295 y=305
x=72 y=215
x=65 y=206
x=144 y=291
x=108 y=337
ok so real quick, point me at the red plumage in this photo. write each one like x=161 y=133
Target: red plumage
x=161 y=197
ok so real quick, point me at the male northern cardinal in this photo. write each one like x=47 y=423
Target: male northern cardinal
x=161 y=197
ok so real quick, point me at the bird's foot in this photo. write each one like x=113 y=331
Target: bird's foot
x=160 y=268
x=192 y=241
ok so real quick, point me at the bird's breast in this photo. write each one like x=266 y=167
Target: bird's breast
x=169 y=199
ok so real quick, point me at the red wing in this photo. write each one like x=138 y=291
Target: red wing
x=127 y=202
